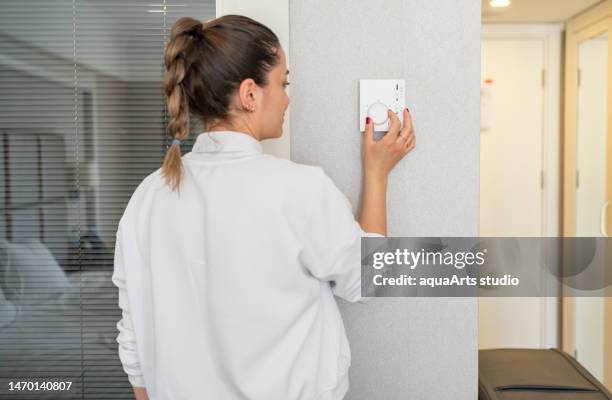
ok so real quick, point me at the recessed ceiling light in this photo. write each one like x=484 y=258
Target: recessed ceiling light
x=499 y=3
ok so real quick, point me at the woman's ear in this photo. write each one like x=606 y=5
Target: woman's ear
x=247 y=94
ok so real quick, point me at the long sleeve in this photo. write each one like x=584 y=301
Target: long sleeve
x=126 y=339
x=333 y=240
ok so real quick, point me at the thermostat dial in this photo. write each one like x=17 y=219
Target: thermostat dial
x=378 y=113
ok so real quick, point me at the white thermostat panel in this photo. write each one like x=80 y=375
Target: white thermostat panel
x=378 y=95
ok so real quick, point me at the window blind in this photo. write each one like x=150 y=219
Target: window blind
x=82 y=121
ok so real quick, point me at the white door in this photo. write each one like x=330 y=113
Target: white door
x=510 y=175
x=591 y=142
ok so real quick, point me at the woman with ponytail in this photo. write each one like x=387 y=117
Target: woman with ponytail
x=227 y=259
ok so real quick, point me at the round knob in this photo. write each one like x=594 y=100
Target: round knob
x=378 y=113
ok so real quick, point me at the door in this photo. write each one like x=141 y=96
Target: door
x=591 y=199
x=587 y=177
x=511 y=149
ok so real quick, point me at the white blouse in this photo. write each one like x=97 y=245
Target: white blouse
x=227 y=287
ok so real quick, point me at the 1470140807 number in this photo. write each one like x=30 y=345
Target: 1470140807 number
x=39 y=385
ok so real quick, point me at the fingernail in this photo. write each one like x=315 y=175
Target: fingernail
x=367 y=120
x=407 y=109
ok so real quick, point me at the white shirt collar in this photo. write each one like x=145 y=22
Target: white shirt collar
x=224 y=141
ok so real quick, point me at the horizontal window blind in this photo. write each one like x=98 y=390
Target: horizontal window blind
x=83 y=120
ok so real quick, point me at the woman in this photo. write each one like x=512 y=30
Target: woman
x=227 y=259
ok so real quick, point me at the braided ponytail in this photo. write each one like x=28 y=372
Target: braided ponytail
x=185 y=33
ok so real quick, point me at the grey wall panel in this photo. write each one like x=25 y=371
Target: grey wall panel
x=402 y=348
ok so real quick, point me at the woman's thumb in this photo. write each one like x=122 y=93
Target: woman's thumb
x=369 y=130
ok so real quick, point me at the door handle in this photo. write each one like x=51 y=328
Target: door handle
x=602 y=218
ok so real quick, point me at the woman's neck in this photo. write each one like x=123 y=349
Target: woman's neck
x=225 y=126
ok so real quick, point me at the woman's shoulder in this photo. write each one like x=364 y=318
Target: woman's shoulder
x=148 y=183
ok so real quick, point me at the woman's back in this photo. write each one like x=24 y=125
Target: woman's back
x=229 y=285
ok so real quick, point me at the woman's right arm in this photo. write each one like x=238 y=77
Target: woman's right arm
x=379 y=158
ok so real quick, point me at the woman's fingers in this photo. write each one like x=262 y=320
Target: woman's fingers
x=397 y=134
x=407 y=121
x=405 y=135
x=410 y=141
x=410 y=144
x=407 y=124
x=407 y=132
x=394 y=127
x=369 y=131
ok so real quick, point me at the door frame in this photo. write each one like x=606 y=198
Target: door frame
x=593 y=21
x=551 y=37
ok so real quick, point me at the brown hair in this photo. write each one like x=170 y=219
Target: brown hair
x=205 y=63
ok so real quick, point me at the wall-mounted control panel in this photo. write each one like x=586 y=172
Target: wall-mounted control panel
x=376 y=96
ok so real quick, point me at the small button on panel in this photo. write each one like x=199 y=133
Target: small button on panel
x=378 y=95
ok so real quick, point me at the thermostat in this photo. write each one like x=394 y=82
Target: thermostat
x=376 y=96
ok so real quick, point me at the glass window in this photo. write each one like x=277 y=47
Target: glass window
x=82 y=122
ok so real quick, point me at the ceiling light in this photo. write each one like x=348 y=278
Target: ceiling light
x=499 y=3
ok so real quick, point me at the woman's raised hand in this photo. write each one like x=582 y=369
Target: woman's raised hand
x=379 y=157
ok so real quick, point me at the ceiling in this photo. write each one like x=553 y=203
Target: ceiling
x=535 y=10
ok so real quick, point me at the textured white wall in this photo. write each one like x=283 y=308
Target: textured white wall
x=402 y=348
